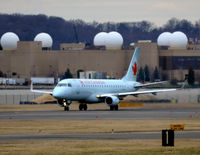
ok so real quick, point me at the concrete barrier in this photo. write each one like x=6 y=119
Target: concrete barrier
x=15 y=96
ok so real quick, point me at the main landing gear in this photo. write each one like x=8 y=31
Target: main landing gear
x=114 y=107
x=65 y=103
x=82 y=106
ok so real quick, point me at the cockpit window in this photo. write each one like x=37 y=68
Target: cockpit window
x=64 y=85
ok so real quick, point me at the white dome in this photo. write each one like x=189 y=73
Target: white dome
x=115 y=40
x=179 y=39
x=164 y=39
x=100 y=39
x=132 y=44
x=110 y=40
x=9 y=40
x=45 y=39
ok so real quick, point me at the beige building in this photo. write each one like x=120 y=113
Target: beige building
x=29 y=60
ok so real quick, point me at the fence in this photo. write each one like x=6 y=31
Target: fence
x=15 y=96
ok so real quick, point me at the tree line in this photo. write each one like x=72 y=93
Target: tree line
x=145 y=76
x=72 y=31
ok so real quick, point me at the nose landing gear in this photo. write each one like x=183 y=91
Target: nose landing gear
x=64 y=103
x=66 y=108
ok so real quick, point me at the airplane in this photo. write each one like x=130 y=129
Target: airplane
x=109 y=91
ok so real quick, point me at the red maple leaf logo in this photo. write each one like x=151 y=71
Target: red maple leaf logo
x=134 y=68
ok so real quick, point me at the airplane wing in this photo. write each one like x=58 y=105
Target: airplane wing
x=40 y=91
x=135 y=93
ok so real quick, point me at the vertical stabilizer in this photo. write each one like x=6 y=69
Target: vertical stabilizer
x=133 y=67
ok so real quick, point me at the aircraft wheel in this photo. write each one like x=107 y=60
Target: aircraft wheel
x=116 y=107
x=81 y=107
x=85 y=107
x=111 y=108
x=66 y=108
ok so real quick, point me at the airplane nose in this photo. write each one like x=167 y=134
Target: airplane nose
x=59 y=93
x=56 y=93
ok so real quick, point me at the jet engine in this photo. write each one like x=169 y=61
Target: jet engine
x=112 y=100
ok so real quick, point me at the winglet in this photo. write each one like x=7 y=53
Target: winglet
x=31 y=88
x=183 y=86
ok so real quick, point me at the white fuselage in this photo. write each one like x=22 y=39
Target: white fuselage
x=86 y=90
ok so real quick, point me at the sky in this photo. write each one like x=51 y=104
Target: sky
x=156 y=11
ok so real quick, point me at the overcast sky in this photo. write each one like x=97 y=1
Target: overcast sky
x=156 y=11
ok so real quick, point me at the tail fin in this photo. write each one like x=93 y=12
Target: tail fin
x=133 y=67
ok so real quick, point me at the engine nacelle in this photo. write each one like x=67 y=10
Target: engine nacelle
x=112 y=100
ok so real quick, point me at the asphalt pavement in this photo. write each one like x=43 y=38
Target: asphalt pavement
x=101 y=136
x=158 y=113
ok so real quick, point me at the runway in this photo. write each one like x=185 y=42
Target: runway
x=101 y=136
x=161 y=113
x=122 y=114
